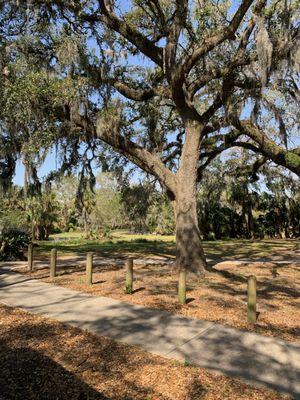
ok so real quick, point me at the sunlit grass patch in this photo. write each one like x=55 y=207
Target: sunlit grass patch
x=123 y=243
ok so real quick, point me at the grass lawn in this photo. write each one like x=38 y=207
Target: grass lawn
x=220 y=297
x=45 y=359
x=123 y=243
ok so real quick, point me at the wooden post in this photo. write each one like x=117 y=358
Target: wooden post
x=129 y=276
x=251 y=303
x=89 y=268
x=182 y=286
x=30 y=257
x=53 y=263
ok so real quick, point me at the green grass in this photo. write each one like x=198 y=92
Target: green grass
x=115 y=247
x=123 y=243
x=66 y=235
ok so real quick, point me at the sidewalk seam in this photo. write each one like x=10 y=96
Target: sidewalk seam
x=191 y=338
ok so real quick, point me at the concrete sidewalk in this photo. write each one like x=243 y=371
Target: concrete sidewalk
x=257 y=359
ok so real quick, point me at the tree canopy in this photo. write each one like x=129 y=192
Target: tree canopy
x=170 y=85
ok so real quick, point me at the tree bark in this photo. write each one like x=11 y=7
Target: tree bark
x=251 y=229
x=189 y=251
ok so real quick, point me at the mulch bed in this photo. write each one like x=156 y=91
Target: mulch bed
x=42 y=359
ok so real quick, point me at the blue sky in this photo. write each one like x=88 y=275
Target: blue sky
x=49 y=165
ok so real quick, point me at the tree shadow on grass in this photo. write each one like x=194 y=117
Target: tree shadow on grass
x=118 y=249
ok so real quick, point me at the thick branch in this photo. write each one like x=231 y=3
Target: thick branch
x=149 y=162
x=159 y=13
x=109 y=18
x=269 y=148
x=172 y=42
x=139 y=95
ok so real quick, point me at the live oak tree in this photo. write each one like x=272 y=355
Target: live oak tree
x=172 y=84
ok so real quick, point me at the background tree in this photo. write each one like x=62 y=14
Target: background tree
x=65 y=189
x=106 y=214
x=136 y=200
x=160 y=219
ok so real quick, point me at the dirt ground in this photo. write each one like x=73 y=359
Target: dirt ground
x=219 y=297
x=44 y=359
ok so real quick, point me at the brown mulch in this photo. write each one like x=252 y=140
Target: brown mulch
x=219 y=297
x=42 y=359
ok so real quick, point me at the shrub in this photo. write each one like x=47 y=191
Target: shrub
x=211 y=236
x=160 y=218
x=103 y=232
x=12 y=243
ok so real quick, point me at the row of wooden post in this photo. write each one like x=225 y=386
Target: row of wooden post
x=251 y=290
x=89 y=268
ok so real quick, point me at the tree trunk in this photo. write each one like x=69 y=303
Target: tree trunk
x=189 y=251
x=250 y=220
x=248 y=211
x=85 y=223
x=251 y=229
x=277 y=223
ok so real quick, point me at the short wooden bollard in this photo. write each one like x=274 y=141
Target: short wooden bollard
x=89 y=268
x=30 y=257
x=53 y=263
x=251 y=302
x=182 y=286
x=129 y=276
